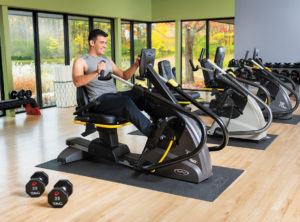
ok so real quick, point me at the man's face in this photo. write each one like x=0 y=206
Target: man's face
x=100 y=45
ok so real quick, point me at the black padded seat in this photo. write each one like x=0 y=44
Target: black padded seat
x=193 y=94
x=96 y=118
x=100 y=119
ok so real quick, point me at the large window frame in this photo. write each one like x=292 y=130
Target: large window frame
x=131 y=39
x=207 y=39
x=91 y=20
x=67 y=56
x=2 y=112
x=168 y=21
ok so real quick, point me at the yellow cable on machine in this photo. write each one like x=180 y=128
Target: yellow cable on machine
x=210 y=89
x=103 y=125
x=188 y=102
x=166 y=152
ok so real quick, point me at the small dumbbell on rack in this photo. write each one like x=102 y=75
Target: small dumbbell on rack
x=58 y=196
x=37 y=183
x=28 y=93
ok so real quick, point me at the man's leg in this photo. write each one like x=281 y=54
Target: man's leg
x=142 y=102
x=123 y=106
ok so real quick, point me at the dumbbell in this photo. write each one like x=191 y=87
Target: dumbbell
x=269 y=64
x=295 y=76
x=28 y=93
x=13 y=94
x=37 y=183
x=58 y=196
x=21 y=94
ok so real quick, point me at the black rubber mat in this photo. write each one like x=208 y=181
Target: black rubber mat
x=207 y=190
x=259 y=145
x=294 y=120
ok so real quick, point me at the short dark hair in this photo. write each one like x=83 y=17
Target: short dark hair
x=95 y=33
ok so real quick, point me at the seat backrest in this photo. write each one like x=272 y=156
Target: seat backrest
x=165 y=70
x=210 y=77
x=82 y=96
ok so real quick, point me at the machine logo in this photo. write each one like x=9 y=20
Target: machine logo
x=181 y=172
x=282 y=105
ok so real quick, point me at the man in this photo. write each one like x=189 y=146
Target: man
x=122 y=104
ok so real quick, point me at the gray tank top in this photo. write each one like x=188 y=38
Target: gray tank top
x=96 y=87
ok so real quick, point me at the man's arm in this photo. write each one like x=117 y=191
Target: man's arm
x=79 y=67
x=127 y=74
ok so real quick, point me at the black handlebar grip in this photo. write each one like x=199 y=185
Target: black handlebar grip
x=107 y=77
x=192 y=65
x=201 y=54
x=247 y=53
x=102 y=71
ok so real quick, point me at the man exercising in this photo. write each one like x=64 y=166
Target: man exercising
x=127 y=104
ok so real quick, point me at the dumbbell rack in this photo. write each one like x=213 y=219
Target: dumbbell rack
x=288 y=70
x=16 y=103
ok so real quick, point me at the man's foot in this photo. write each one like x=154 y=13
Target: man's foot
x=157 y=133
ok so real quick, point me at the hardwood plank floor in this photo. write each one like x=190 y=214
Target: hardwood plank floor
x=268 y=190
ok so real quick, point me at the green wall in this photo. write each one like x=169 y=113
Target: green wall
x=145 y=10
x=191 y=9
x=5 y=55
x=128 y=9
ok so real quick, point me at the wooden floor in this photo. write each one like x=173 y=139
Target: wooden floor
x=268 y=190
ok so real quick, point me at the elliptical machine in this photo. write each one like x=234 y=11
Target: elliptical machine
x=235 y=104
x=179 y=150
x=253 y=70
x=167 y=75
x=281 y=104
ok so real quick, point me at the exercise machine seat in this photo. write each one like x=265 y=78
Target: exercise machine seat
x=91 y=117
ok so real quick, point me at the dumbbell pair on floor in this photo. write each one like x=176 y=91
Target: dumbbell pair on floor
x=21 y=94
x=57 y=197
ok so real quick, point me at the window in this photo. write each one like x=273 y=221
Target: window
x=1 y=83
x=134 y=39
x=51 y=39
x=140 y=38
x=35 y=70
x=163 y=40
x=193 y=40
x=78 y=36
x=208 y=34
x=22 y=50
x=105 y=25
x=125 y=26
x=140 y=42
x=221 y=33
